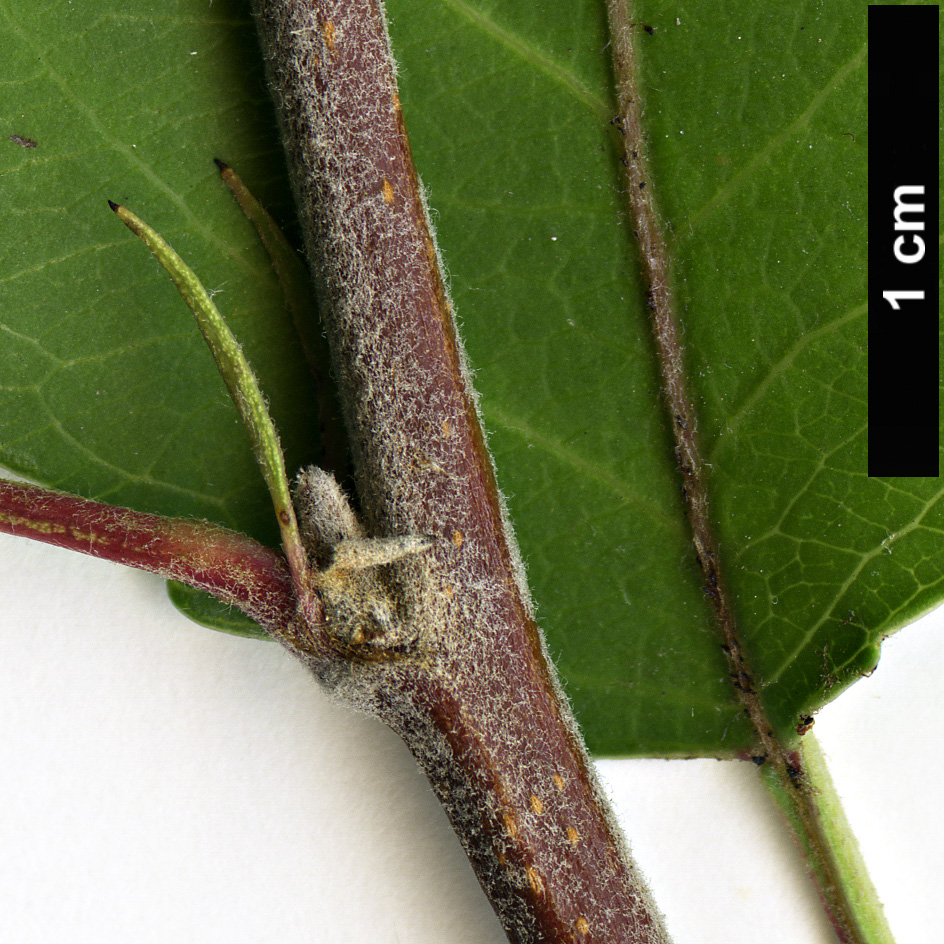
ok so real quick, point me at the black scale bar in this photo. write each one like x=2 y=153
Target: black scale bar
x=904 y=253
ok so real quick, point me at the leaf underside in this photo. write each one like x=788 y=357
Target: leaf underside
x=106 y=389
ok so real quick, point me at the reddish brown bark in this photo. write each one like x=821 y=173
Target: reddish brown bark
x=231 y=566
x=475 y=698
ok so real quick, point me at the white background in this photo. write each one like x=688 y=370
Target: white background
x=160 y=782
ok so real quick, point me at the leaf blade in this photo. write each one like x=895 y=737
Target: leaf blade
x=508 y=113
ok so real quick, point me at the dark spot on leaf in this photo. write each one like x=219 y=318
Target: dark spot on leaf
x=806 y=722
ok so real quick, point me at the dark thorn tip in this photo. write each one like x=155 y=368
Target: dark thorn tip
x=223 y=166
x=113 y=205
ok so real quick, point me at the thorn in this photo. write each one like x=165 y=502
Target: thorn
x=222 y=165
x=115 y=206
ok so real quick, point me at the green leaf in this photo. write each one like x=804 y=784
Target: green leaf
x=108 y=389
x=105 y=390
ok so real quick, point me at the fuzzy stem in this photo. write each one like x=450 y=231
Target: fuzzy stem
x=476 y=700
x=231 y=566
x=797 y=778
